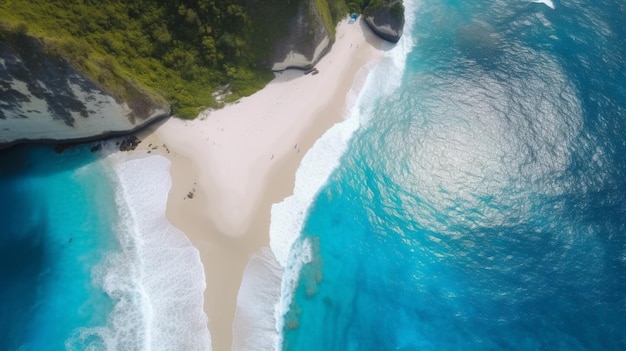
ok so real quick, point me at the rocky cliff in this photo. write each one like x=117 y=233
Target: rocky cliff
x=291 y=34
x=45 y=97
x=307 y=40
x=309 y=36
x=42 y=98
x=386 y=19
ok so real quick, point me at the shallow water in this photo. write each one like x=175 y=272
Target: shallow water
x=89 y=261
x=51 y=239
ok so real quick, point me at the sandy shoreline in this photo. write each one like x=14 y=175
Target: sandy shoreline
x=229 y=166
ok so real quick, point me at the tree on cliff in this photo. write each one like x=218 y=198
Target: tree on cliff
x=179 y=49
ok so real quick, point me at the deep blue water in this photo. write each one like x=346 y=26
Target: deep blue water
x=57 y=211
x=482 y=203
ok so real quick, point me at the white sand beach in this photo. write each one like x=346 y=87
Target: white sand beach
x=230 y=165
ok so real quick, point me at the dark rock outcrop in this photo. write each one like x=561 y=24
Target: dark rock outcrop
x=306 y=42
x=129 y=143
x=386 y=19
x=288 y=34
x=43 y=98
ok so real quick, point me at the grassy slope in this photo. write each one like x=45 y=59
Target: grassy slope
x=105 y=43
x=180 y=50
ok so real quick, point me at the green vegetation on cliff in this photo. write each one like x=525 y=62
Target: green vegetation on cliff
x=181 y=50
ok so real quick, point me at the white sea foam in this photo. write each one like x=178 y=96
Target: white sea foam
x=548 y=3
x=157 y=280
x=323 y=158
x=254 y=323
x=271 y=277
x=259 y=291
x=287 y=217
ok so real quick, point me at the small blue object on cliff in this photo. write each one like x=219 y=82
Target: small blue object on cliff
x=353 y=18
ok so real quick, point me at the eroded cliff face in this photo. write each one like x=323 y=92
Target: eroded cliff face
x=307 y=37
x=42 y=98
x=305 y=42
x=386 y=19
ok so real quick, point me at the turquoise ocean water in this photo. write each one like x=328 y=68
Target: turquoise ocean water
x=88 y=260
x=56 y=225
x=481 y=205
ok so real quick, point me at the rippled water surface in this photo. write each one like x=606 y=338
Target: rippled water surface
x=482 y=203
